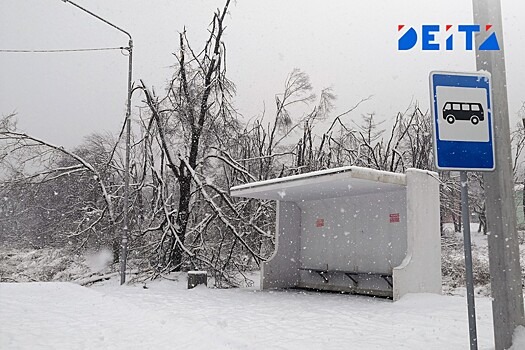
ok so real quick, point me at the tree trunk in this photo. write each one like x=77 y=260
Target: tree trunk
x=181 y=221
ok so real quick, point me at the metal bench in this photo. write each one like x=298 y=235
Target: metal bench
x=350 y=274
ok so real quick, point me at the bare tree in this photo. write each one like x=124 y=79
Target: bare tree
x=195 y=111
x=60 y=194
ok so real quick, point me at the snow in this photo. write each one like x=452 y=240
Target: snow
x=99 y=260
x=518 y=339
x=478 y=239
x=47 y=264
x=361 y=173
x=166 y=315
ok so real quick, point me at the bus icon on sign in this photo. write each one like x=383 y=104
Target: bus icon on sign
x=471 y=111
x=468 y=143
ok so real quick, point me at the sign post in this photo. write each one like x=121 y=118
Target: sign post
x=463 y=141
x=469 y=273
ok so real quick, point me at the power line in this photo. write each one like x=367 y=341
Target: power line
x=65 y=50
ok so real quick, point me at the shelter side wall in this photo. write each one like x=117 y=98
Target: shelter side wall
x=363 y=233
x=282 y=270
x=420 y=272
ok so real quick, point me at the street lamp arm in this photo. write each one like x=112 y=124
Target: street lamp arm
x=100 y=18
x=125 y=232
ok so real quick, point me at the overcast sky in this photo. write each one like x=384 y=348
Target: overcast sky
x=350 y=46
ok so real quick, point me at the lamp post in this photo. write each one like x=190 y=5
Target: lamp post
x=125 y=231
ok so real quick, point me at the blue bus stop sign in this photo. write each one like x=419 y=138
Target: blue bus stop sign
x=462 y=120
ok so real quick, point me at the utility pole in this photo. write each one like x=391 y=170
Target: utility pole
x=504 y=258
x=125 y=230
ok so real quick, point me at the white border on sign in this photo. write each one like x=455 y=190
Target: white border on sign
x=481 y=73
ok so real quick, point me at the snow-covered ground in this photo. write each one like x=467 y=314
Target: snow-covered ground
x=166 y=315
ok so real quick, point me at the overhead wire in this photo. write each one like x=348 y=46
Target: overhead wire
x=64 y=50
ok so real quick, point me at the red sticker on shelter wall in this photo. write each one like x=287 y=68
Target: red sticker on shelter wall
x=319 y=223
x=394 y=217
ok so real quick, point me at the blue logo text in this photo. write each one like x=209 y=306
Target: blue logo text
x=431 y=33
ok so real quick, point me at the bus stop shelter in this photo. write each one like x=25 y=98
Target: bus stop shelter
x=354 y=230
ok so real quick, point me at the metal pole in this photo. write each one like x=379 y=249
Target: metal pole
x=125 y=231
x=469 y=276
x=504 y=258
x=98 y=17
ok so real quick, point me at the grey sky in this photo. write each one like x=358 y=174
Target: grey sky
x=350 y=46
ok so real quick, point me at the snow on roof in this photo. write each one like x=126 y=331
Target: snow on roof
x=329 y=183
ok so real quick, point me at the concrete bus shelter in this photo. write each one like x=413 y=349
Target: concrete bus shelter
x=355 y=230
